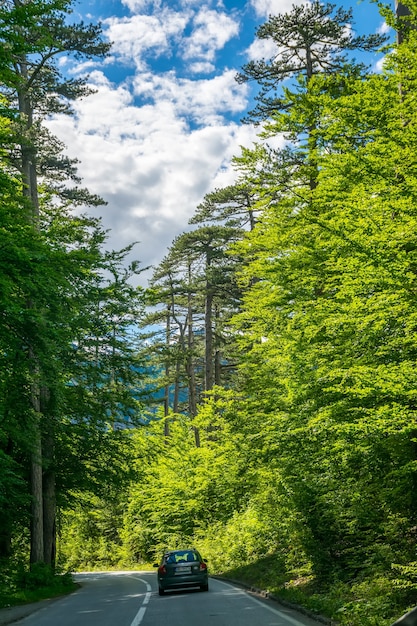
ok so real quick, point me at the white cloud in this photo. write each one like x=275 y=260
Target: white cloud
x=201 y=67
x=211 y=31
x=134 y=37
x=262 y=49
x=264 y=8
x=139 y=36
x=185 y=4
x=384 y=29
x=137 y=6
x=205 y=101
x=151 y=167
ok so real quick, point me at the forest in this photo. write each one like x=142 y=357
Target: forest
x=258 y=398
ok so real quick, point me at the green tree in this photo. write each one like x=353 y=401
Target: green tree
x=208 y=245
x=310 y=39
x=61 y=266
x=328 y=327
x=16 y=245
x=196 y=283
x=175 y=289
x=235 y=206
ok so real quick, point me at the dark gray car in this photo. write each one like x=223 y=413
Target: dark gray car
x=182 y=568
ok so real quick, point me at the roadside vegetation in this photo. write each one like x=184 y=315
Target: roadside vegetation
x=264 y=410
x=23 y=586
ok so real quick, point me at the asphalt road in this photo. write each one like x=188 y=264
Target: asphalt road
x=131 y=599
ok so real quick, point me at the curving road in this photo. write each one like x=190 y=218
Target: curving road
x=131 y=599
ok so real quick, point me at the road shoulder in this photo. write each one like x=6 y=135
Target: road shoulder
x=12 y=614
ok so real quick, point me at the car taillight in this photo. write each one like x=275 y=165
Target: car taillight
x=203 y=567
x=162 y=569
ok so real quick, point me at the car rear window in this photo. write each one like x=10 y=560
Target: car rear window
x=181 y=556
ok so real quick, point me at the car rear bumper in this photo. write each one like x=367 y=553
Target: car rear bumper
x=183 y=581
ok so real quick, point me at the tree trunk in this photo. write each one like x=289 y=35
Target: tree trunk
x=5 y=529
x=5 y=544
x=217 y=352
x=30 y=190
x=166 y=393
x=28 y=151
x=177 y=387
x=401 y=11
x=49 y=492
x=36 y=535
x=209 y=370
x=192 y=391
x=49 y=518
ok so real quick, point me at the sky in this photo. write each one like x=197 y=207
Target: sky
x=165 y=121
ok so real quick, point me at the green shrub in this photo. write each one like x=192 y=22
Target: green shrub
x=19 y=584
x=40 y=575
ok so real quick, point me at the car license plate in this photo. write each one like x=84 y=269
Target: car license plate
x=182 y=570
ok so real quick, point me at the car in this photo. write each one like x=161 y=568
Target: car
x=182 y=568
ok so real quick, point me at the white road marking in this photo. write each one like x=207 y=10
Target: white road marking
x=141 y=613
x=289 y=619
x=265 y=605
x=139 y=617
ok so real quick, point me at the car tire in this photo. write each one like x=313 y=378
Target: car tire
x=161 y=591
x=204 y=587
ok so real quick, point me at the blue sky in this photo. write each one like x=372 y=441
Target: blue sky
x=164 y=124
